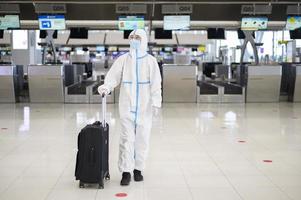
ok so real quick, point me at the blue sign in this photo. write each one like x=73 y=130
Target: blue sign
x=52 y=22
x=46 y=24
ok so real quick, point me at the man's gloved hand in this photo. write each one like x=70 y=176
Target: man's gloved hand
x=103 y=90
x=156 y=111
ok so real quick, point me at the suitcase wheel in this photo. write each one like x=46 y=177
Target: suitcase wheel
x=108 y=177
x=81 y=184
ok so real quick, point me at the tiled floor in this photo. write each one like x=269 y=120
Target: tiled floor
x=204 y=151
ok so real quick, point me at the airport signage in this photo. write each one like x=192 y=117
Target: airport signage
x=9 y=8
x=41 y=8
x=131 y=9
x=52 y=22
x=177 y=9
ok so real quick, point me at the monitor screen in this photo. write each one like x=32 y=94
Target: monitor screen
x=126 y=34
x=9 y=22
x=176 y=22
x=130 y=22
x=293 y=22
x=43 y=34
x=254 y=23
x=78 y=33
x=295 y=34
x=220 y=33
x=216 y=33
x=211 y=32
x=163 y=34
x=52 y=22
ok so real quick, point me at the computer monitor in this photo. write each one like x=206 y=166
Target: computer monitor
x=78 y=33
x=43 y=34
x=295 y=34
x=126 y=34
x=160 y=33
x=209 y=68
x=216 y=33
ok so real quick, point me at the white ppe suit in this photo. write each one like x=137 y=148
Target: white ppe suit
x=139 y=77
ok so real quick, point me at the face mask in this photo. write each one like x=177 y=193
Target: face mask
x=134 y=44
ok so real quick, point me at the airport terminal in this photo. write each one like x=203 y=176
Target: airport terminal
x=150 y=100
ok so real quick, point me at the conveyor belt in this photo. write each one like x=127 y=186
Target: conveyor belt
x=79 y=88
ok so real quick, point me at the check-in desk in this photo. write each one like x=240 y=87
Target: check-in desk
x=179 y=83
x=79 y=92
x=232 y=93
x=7 y=83
x=46 y=83
x=208 y=92
x=295 y=84
x=263 y=83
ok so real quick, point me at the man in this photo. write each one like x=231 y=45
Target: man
x=139 y=77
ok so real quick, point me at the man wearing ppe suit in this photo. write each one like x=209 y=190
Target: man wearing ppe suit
x=139 y=77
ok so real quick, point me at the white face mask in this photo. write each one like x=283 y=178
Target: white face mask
x=135 y=44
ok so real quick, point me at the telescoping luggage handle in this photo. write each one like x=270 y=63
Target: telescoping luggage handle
x=104 y=111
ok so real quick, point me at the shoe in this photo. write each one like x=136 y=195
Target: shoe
x=126 y=179
x=137 y=175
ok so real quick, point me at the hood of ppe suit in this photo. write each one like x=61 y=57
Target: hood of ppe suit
x=143 y=45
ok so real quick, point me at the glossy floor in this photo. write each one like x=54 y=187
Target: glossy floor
x=204 y=151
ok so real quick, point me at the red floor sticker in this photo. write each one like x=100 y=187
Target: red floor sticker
x=121 y=195
x=267 y=161
x=242 y=141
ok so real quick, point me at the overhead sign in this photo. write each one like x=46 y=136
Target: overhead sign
x=176 y=22
x=293 y=10
x=256 y=9
x=9 y=8
x=293 y=22
x=177 y=9
x=131 y=9
x=9 y=22
x=50 y=8
x=52 y=22
x=254 y=23
x=130 y=23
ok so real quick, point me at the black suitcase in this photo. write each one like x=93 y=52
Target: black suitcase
x=92 y=161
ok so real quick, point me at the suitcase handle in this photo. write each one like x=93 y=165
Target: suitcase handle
x=104 y=109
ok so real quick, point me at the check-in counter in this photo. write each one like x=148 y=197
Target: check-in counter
x=208 y=92
x=179 y=83
x=263 y=83
x=46 y=83
x=295 y=84
x=79 y=92
x=7 y=84
x=232 y=93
